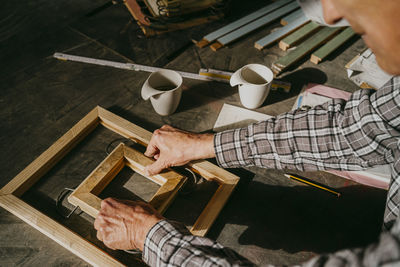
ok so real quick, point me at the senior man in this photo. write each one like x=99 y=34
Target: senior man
x=352 y=135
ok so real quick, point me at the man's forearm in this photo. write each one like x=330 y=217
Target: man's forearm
x=170 y=243
x=336 y=135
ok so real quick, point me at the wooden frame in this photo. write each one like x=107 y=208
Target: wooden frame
x=85 y=195
x=10 y=194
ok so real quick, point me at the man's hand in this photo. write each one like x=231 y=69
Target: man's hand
x=174 y=147
x=123 y=224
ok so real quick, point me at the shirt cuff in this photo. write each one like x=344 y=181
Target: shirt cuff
x=157 y=237
x=232 y=148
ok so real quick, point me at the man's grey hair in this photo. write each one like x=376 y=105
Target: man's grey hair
x=313 y=10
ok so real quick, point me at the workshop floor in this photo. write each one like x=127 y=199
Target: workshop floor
x=268 y=219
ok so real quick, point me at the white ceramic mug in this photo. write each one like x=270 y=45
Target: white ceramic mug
x=164 y=88
x=254 y=82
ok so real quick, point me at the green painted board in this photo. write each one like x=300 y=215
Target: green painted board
x=299 y=35
x=304 y=49
x=281 y=32
x=332 y=45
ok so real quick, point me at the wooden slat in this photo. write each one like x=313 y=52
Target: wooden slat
x=299 y=35
x=213 y=208
x=234 y=35
x=137 y=161
x=332 y=45
x=124 y=127
x=87 y=202
x=100 y=177
x=292 y=17
x=57 y=232
x=304 y=49
x=212 y=172
x=281 y=33
x=166 y=194
x=42 y=164
x=211 y=37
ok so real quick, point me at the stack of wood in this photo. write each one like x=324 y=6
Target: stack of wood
x=297 y=32
x=159 y=16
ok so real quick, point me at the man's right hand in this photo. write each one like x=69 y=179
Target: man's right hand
x=174 y=147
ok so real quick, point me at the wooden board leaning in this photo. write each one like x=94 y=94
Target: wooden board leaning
x=10 y=194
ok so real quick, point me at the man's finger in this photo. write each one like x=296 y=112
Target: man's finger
x=99 y=236
x=97 y=224
x=151 y=149
x=167 y=127
x=155 y=168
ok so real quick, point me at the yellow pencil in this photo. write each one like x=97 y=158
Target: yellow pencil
x=312 y=184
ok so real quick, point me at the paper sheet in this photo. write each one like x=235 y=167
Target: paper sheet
x=231 y=117
x=365 y=69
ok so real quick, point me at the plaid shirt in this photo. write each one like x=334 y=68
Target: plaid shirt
x=340 y=135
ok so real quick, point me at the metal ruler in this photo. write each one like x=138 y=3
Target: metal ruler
x=136 y=67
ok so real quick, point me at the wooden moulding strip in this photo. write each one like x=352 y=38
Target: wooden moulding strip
x=96 y=181
x=101 y=176
x=124 y=127
x=42 y=164
x=299 y=35
x=232 y=36
x=292 y=17
x=304 y=49
x=202 y=43
x=211 y=172
x=57 y=232
x=137 y=162
x=211 y=211
x=165 y=194
x=281 y=33
x=332 y=45
x=87 y=202
x=211 y=37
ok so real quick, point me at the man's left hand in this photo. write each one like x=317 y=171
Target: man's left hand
x=123 y=224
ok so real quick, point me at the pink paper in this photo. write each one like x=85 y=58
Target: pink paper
x=362 y=179
x=327 y=91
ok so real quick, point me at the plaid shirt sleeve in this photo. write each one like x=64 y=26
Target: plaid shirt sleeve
x=340 y=135
x=169 y=243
